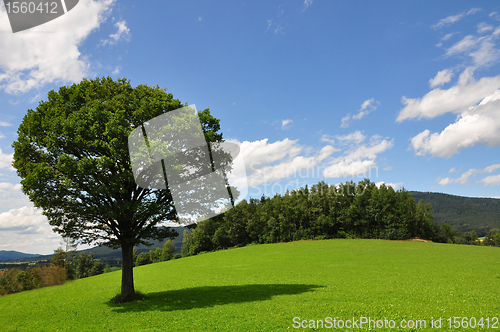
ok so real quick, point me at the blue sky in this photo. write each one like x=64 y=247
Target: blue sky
x=403 y=93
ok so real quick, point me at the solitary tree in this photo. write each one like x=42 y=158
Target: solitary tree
x=72 y=155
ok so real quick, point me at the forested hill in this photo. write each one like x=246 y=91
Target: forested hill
x=463 y=213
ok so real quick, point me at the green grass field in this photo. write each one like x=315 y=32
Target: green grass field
x=263 y=287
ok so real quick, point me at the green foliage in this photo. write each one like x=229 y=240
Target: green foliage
x=97 y=268
x=492 y=238
x=167 y=251
x=143 y=259
x=59 y=258
x=84 y=265
x=262 y=287
x=185 y=243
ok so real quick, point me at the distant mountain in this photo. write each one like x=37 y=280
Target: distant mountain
x=108 y=254
x=463 y=213
x=9 y=255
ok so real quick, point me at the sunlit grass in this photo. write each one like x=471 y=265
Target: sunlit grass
x=264 y=287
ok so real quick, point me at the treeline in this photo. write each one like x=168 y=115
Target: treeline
x=163 y=254
x=349 y=210
x=63 y=266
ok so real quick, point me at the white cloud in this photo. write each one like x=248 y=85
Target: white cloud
x=358 y=160
x=327 y=139
x=442 y=77
x=494 y=15
x=448 y=36
x=269 y=162
x=388 y=168
x=394 y=185
x=356 y=136
x=367 y=106
x=454 y=18
x=286 y=124
x=464 y=178
x=200 y=19
x=481 y=50
x=4 y=124
x=117 y=70
x=26 y=229
x=484 y=27
x=345 y=121
x=307 y=3
x=49 y=52
x=479 y=125
x=123 y=33
x=6 y=160
x=459 y=98
x=492 y=180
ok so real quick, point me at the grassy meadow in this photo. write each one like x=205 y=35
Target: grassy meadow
x=263 y=287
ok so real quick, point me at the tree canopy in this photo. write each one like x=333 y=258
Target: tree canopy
x=73 y=157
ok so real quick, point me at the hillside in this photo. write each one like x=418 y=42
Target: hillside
x=463 y=213
x=9 y=255
x=272 y=287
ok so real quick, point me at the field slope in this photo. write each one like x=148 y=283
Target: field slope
x=263 y=287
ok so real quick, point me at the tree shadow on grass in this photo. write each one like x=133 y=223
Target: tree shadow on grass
x=209 y=296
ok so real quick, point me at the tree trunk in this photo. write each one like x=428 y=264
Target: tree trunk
x=128 y=292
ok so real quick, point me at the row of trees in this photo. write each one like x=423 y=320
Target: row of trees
x=166 y=253
x=349 y=210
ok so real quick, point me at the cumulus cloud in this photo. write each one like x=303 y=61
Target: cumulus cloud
x=367 y=106
x=454 y=18
x=459 y=98
x=123 y=33
x=286 y=124
x=357 y=160
x=49 y=52
x=270 y=162
x=477 y=125
x=26 y=229
x=464 y=178
x=442 y=77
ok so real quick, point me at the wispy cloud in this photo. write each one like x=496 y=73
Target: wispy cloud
x=454 y=18
x=367 y=107
x=123 y=33
x=307 y=3
x=464 y=178
x=286 y=124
